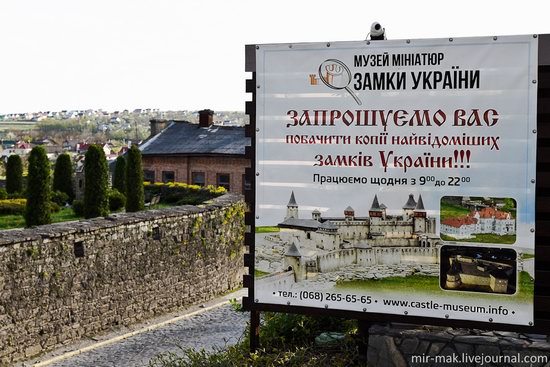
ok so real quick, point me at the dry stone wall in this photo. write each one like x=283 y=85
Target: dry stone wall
x=65 y=281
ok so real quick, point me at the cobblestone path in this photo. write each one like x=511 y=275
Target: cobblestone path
x=212 y=329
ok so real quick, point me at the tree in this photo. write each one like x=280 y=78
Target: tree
x=37 y=210
x=134 y=180
x=14 y=174
x=96 y=177
x=63 y=176
x=119 y=180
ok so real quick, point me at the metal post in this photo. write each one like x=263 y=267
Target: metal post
x=254 y=330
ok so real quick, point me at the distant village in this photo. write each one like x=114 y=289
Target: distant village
x=153 y=130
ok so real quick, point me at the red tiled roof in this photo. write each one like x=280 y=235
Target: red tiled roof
x=459 y=222
x=492 y=212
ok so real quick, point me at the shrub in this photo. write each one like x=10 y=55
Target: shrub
x=13 y=206
x=134 y=180
x=117 y=200
x=78 y=208
x=16 y=195
x=60 y=198
x=14 y=174
x=177 y=193
x=38 y=188
x=63 y=176
x=119 y=179
x=54 y=207
x=96 y=175
x=3 y=194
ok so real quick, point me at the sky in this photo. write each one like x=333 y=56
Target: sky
x=189 y=55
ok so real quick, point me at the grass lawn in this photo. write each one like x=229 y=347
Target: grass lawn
x=17 y=221
x=259 y=273
x=508 y=239
x=424 y=284
x=267 y=229
x=452 y=211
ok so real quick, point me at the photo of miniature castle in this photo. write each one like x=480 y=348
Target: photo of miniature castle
x=479 y=269
x=322 y=244
x=483 y=220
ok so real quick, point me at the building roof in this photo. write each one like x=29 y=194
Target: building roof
x=375 y=207
x=349 y=209
x=328 y=225
x=292 y=201
x=419 y=204
x=182 y=137
x=293 y=251
x=309 y=224
x=459 y=221
x=493 y=213
x=410 y=204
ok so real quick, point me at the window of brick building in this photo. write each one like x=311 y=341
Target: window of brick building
x=197 y=178
x=223 y=180
x=168 y=176
x=149 y=176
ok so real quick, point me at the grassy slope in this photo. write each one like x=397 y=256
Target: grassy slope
x=17 y=221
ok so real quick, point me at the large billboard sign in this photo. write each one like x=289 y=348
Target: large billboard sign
x=398 y=177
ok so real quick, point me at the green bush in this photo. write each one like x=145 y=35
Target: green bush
x=14 y=174
x=96 y=175
x=78 y=208
x=117 y=200
x=16 y=195
x=134 y=180
x=13 y=206
x=286 y=340
x=3 y=194
x=60 y=198
x=38 y=188
x=63 y=176
x=177 y=193
x=119 y=179
x=54 y=207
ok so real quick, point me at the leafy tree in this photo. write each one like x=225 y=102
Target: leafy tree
x=38 y=207
x=134 y=180
x=63 y=176
x=14 y=174
x=119 y=180
x=96 y=177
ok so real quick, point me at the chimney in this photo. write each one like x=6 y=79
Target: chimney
x=206 y=118
x=157 y=126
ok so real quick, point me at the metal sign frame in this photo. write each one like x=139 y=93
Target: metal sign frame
x=542 y=222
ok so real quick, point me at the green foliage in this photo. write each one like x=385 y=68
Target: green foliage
x=267 y=229
x=59 y=197
x=96 y=175
x=14 y=174
x=119 y=179
x=177 y=193
x=3 y=194
x=63 y=176
x=13 y=206
x=16 y=195
x=134 y=181
x=38 y=188
x=117 y=200
x=287 y=340
x=54 y=207
x=78 y=208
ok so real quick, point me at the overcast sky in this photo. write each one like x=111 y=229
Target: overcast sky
x=188 y=55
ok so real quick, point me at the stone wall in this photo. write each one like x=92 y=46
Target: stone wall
x=407 y=345
x=65 y=281
x=338 y=259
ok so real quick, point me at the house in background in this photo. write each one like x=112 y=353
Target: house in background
x=200 y=154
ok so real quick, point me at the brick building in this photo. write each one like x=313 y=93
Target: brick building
x=200 y=154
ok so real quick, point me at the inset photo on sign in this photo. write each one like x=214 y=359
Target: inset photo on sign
x=478 y=219
x=478 y=269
